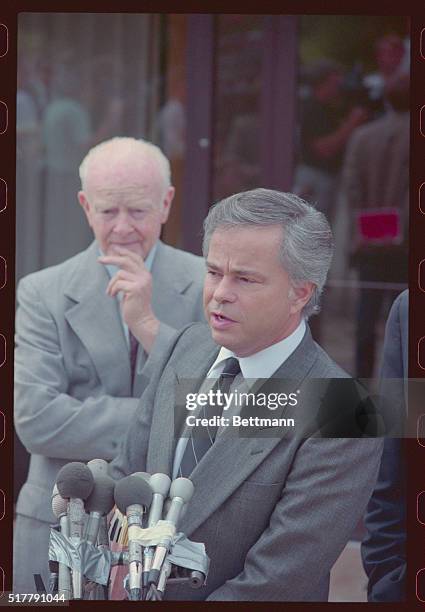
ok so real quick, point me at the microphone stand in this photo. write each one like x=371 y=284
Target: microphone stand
x=103 y=542
x=64 y=577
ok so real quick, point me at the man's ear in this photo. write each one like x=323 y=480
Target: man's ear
x=84 y=203
x=300 y=295
x=166 y=203
x=82 y=199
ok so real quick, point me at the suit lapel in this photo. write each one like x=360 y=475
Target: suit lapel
x=95 y=319
x=170 y=282
x=164 y=430
x=230 y=461
x=161 y=440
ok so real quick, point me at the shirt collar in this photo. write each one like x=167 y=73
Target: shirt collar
x=264 y=363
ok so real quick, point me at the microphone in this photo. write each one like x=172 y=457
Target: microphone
x=167 y=505
x=181 y=492
x=102 y=537
x=60 y=510
x=98 y=504
x=118 y=526
x=132 y=494
x=160 y=484
x=145 y=475
x=75 y=481
x=98 y=467
x=163 y=577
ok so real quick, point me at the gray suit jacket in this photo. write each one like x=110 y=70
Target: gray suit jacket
x=74 y=399
x=273 y=512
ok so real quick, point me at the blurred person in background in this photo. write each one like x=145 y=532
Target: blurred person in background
x=326 y=124
x=238 y=165
x=67 y=135
x=376 y=184
x=28 y=164
x=391 y=57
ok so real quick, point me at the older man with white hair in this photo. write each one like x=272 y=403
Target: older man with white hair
x=78 y=367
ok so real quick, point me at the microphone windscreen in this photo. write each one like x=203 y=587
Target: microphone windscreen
x=101 y=499
x=160 y=483
x=182 y=487
x=75 y=480
x=145 y=475
x=132 y=490
x=59 y=505
x=98 y=467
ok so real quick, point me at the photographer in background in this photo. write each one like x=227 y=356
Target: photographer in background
x=327 y=122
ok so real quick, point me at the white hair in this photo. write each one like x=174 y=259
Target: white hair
x=120 y=149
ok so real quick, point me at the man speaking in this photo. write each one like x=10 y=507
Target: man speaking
x=273 y=510
x=79 y=369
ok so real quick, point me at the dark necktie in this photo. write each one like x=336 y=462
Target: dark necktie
x=133 y=355
x=197 y=446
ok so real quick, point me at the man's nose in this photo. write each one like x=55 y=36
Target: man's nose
x=122 y=222
x=224 y=291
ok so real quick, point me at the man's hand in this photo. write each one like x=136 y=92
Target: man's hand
x=135 y=282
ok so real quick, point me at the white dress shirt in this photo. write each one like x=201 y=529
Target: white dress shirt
x=264 y=363
x=259 y=365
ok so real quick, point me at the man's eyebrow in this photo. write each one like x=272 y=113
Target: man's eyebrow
x=212 y=265
x=239 y=271
x=104 y=206
x=247 y=272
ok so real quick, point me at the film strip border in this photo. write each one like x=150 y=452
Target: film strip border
x=7 y=288
x=416 y=448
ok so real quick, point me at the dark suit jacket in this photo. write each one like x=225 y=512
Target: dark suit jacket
x=384 y=549
x=274 y=511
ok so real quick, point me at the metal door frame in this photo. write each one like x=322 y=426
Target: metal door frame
x=278 y=114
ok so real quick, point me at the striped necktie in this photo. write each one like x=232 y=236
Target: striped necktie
x=134 y=345
x=197 y=445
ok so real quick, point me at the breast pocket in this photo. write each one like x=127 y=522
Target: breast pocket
x=253 y=490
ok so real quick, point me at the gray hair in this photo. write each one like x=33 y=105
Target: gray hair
x=120 y=148
x=307 y=243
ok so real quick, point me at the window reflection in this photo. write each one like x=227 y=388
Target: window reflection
x=352 y=163
x=238 y=89
x=82 y=78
